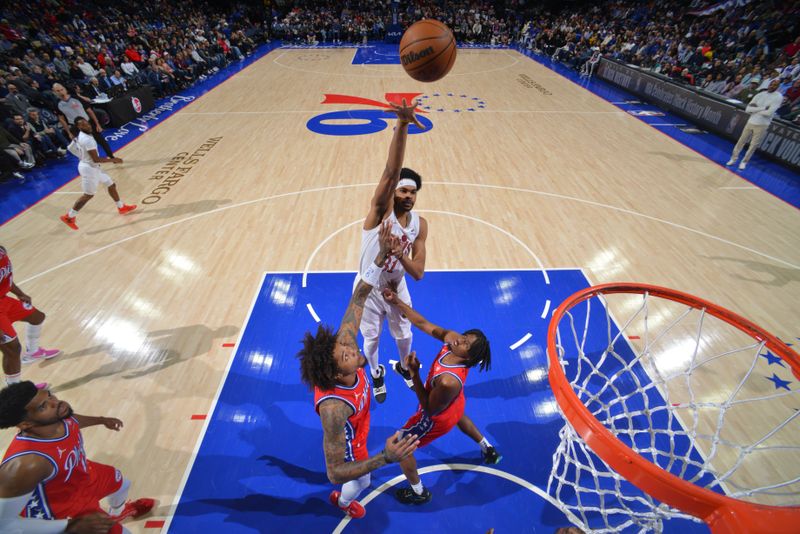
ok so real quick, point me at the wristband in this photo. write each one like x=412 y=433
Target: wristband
x=372 y=275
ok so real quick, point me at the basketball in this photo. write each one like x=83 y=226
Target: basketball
x=428 y=50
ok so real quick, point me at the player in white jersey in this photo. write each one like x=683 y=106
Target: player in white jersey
x=394 y=199
x=85 y=148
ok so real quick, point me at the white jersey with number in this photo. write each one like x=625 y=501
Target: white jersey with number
x=81 y=146
x=393 y=270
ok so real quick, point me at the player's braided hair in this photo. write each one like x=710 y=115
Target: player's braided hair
x=13 y=400
x=479 y=350
x=405 y=172
x=317 y=364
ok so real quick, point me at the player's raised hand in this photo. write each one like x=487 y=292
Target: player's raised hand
x=412 y=363
x=389 y=296
x=405 y=113
x=385 y=238
x=398 y=449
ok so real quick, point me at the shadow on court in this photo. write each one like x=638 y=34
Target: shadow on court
x=167 y=348
x=145 y=213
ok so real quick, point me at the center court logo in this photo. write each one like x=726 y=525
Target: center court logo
x=363 y=121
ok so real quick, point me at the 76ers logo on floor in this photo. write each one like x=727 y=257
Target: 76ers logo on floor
x=363 y=121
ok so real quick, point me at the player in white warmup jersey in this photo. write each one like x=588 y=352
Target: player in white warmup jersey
x=394 y=199
x=85 y=148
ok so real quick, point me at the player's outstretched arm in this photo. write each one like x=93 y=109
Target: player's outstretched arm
x=334 y=414
x=111 y=423
x=415 y=317
x=382 y=198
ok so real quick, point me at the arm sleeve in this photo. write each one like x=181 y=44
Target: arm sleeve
x=12 y=523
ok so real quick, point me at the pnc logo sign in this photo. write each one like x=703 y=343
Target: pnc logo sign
x=363 y=121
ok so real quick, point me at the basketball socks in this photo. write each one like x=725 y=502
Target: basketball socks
x=33 y=333
x=13 y=379
x=403 y=349
x=119 y=203
x=351 y=490
x=484 y=443
x=72 y=213
x=116 y=500
x=371 y=354
x=418 y=488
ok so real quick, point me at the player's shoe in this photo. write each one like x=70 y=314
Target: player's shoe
x=404 y=373
x=39 y=355
x=379 y=385
x=42 y=385
x=69 y=221
x=126 y=208
x=134 y=510
x=742 y=165
x=730 y=162
x=408 y=496
x=354 y=509
x=491 y=456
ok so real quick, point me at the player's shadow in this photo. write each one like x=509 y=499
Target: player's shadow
x=193 y=341
x=506 y=388
x=678 y=157
x=776 y=275
x=151 y=213
x=249 y=510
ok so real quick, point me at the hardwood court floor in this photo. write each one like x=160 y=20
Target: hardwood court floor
x=545 y=175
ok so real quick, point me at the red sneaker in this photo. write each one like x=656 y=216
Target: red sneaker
x=354 y=509
x=69 y=221
x=126 y=208
x=134 y=509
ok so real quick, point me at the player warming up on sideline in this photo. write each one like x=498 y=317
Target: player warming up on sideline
x=393 y=201
x=85 y=148
x=331 y=363
x=441 y=398
x=11 y=311
x=47 y=484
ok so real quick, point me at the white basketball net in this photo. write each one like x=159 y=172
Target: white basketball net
x=647 y=392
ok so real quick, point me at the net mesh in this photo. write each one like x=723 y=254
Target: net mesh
x=682 y=389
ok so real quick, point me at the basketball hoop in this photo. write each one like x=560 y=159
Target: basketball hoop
x=643 y=441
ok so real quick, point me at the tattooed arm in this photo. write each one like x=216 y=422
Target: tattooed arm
x=334 y=413
x=348 y=329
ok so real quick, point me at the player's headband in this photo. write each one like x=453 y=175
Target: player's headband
x=407 y=182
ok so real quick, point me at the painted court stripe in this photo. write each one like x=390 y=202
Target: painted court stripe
x=546 y=309
x=229 y=344
x=522 y=340
x=312 y=312
x=154 y=524
x=634 y=337
x=199 y=417
x=197 y=444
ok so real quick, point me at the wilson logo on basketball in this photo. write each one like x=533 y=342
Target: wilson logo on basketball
x=137 y=104
x=413 y=57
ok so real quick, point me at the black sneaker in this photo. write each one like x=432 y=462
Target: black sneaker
x=407 y=496
x=379 y=385
x=491 y=456
x=405 y=374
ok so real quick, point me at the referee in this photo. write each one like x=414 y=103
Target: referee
x=70 y=108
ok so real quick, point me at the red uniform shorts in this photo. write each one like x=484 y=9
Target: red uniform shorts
x=103 y=481
x=11 y=311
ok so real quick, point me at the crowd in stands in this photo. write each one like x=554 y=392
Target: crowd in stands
x=94 y=50
x=733 y=53
x=98 y=51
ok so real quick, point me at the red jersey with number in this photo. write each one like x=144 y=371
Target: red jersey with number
x=6 y=273
x=76 y=484
x=426 y=427
x=356 y=428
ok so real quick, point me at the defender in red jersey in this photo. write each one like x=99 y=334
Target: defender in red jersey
x=11 y=311
x=441 y=398
x=46 y=482
x=332 y=365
